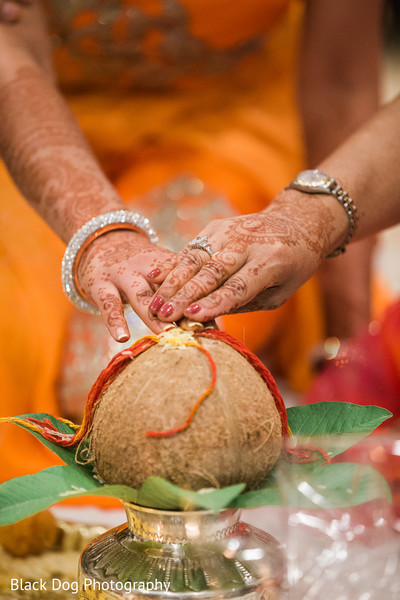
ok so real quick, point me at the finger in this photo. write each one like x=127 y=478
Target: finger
x=139 y=296
x=187 y=267
x=213 y=274
x=163 y=269
x=237 y=292
x=108 y=300
x=158 y=274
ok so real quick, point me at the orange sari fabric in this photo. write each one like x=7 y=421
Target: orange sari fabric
x=237 y=130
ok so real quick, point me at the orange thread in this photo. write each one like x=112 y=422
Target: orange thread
x=258 y=366
x=305 y=454
x=107 y=376
x=298 y=454
x=194 y=409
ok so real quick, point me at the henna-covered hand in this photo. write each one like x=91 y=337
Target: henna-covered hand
x=11 y=10
x=113 y=270
x=259 y=260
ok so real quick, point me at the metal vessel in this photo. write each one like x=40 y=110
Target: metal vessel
x=187 y=555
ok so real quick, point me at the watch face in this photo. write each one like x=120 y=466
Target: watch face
x=312 y=178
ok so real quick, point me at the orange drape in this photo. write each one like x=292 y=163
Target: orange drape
x=239 y=132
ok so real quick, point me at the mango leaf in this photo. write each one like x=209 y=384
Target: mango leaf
x=318 y=486
x=159 y=493
x=341 y=423
x=331 y=484
x=67 y=455
x=26 y=495
x=320 y=419
x=29 y=494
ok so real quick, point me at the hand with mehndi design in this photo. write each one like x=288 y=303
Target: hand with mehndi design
x=11 y=10
x=51 y=162
x=112 y=271
x=259 y=260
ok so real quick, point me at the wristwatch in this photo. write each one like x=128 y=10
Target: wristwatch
x=314 y=181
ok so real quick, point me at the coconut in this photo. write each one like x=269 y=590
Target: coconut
x=235 y=435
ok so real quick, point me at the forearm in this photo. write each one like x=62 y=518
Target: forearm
x=44 y=148
x=367 y=165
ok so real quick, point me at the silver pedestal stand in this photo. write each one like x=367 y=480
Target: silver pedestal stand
x=197 y=555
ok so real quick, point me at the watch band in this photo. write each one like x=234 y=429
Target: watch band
x=351 y=211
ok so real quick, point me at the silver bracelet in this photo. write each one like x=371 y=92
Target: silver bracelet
x=91 y=230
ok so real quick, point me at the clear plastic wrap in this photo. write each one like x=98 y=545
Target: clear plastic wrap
x=335 y=550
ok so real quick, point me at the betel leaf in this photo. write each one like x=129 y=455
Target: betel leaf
x=67 y=455
x=318 y=486
x=341 y=423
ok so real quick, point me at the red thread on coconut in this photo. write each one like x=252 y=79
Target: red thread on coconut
x=198 y=402
x=300 y=454
x=106 y=377
x=258 y=366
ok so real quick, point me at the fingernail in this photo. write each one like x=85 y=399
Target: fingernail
x=193 y=309
x=154 y=273
x=166 y=310
x=156 y=303
x=121 y=334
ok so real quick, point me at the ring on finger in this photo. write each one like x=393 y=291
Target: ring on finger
x=201 y=243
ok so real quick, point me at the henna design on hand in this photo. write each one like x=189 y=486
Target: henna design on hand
x=48 y=156
x=281 y=223
x=264 y=258
x=111 y=305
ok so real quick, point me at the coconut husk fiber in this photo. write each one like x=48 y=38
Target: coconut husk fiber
x=235 y=435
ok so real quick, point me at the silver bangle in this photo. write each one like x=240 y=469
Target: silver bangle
x=92 y=229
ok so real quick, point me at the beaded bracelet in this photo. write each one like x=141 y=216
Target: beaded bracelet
x=91 y=230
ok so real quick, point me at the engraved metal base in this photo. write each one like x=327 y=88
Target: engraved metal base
x=186 y=555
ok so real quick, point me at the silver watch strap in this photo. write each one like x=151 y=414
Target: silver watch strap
x=351 y=211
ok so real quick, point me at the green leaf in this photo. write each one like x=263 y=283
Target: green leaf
x=26 y=495
x=159 y=493
x=318 y=486
x=29 y=494
x=301 y=485
x=330 y=419
x=68 y=455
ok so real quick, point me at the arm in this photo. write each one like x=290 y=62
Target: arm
x=338 y=90
x=263 y=258
x=54 y=167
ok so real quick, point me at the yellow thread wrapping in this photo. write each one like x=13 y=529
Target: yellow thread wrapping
x=175 y=338
x=19 y=421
